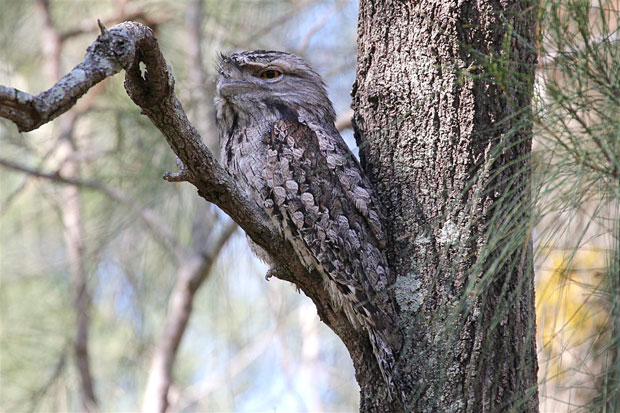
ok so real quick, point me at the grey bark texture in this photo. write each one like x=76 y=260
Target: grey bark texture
x=445 y=139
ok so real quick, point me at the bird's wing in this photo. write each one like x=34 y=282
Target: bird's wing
x=318 y=195
x=341 y=161
x=323 y=196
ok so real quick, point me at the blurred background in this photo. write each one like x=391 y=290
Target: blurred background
x=118 y=287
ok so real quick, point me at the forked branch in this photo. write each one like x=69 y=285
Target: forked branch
x=133 y=47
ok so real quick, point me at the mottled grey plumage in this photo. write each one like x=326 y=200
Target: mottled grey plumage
x=278 y=140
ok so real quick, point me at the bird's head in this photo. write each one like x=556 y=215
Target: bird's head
x=252 y=84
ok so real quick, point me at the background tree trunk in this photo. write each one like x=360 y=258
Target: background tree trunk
x=441 y=104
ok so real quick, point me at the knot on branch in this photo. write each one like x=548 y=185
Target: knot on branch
x=113 y=50
x=154 y=83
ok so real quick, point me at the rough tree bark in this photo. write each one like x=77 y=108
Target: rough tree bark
x=445 y=139
x=441 y=112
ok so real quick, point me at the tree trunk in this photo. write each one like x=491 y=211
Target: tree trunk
x=442 y=111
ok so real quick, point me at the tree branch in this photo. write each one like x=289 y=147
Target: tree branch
x=129 y=46
x=57 y=371
x=192 y=273
x=104 y=58
x=125 y=46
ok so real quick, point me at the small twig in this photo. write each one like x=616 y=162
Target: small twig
x=181 y=176
x=102 y=28
x=56 y=373
x=13 y=195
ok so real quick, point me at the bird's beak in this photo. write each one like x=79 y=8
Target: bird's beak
x=230 y=87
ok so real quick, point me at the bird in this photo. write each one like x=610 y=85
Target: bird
x=279 y=142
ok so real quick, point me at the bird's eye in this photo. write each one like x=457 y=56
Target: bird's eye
x=270 y=74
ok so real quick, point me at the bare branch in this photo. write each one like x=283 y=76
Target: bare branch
x=192 y=273
x=13 y=195
x=180 y=176
x=127 y=46
x=51 y=176
x=57 y=371
x=155 y=95
x=106 y=57
x=17 y=191
x=215 y=244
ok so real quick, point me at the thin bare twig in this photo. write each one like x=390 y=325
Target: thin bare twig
x=56 y=373
x=13 y=195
